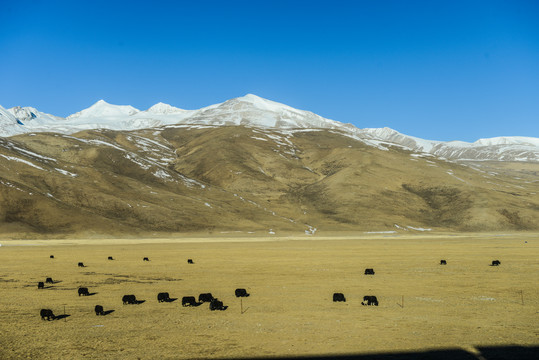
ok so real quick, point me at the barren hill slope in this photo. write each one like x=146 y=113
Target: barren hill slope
x=235 y=178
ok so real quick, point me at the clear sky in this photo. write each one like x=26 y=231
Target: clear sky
x=440 y=70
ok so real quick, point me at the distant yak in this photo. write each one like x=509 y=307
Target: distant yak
x=81 y=264
x=190 y=261
x=495 y=262
x=111 y=258
x=83 y=291
x=189 y=301
x=49 y=281
x=207 y=297
x=339 y=297
x=369 y=271
x=47 y=313
x=443 y=262
x=369 y=300
x=40 y=285
x=145 y=259
x=216 y=304
x=241 y=293
x=129 y=299
x=99 y=310
x=161 y=297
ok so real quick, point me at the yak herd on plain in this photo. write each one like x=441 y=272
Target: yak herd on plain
x=215 y=304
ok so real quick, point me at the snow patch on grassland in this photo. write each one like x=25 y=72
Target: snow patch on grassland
x=418 y=229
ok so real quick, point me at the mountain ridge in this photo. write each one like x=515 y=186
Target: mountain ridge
x=252 y=110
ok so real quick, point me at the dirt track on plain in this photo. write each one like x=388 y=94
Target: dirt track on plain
x=423 y=305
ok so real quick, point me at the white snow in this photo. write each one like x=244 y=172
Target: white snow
x=418 y=229
x=22 y=161
x=65 y=172
x=253 y=111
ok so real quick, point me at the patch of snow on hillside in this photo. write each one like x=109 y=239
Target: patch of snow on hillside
x=22 y=161
x=62 y=171
x=418 y=229
x=162 y=175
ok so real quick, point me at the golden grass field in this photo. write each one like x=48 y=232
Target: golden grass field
x=465 y=304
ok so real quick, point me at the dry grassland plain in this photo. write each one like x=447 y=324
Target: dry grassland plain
x=464 y=304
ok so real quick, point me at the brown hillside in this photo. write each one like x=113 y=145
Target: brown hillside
x=180 y=179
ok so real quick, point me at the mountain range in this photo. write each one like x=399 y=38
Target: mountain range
x=251 y=110
x=251 y=165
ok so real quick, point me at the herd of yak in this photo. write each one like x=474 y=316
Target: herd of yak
x=215 y=304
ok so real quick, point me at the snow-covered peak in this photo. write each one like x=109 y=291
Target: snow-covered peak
x=104 y=109
x=29 y=115
x=162 y=108
x=508 y=140
x=24 y=113
x=9 y=125
x=263 y=104
x=252 y=110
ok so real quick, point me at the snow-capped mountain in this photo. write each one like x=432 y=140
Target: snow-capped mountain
x=164 y=109
x=510 y=148
x=253 y=111
x=103 y=109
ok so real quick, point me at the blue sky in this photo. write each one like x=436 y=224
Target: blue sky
x=440 y=70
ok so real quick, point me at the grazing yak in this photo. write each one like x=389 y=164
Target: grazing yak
x=207 y=297
x=495 y=262
x=190 y=261
x=49 y=281
x=443 y=262
x=216 y=304
x=161 y=297
x=369 y=300
x=189 y=301
x=81 y=264
x=99 y=310
x=83 y=291
x=339 y=297
x=129 y=299
x=111 y=258
x=241 y=293
x=47 y=313
x=145 y=259
x=40 y=285
x=369 y=271
x=52 y=256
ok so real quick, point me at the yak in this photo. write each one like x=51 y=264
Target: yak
x=99 y=310
x=189 y=301
x=207 y=297
x=47 y=313
x=83 y=291
x=161 y=297
x=129 y=299
x=216 y=304
x=339 y=297
x=241 y=293
x=369 y=300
